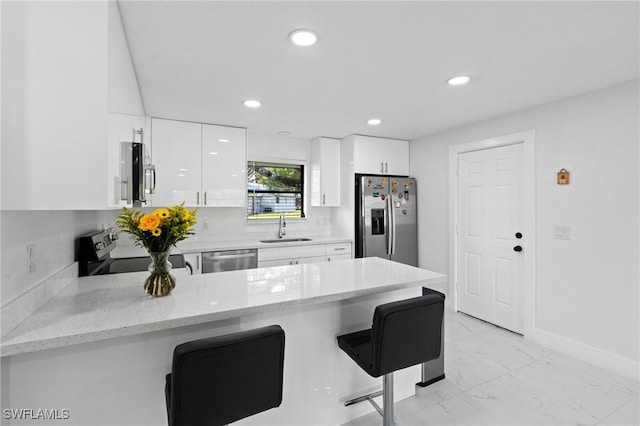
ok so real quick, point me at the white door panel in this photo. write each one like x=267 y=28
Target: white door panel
x=490 y=213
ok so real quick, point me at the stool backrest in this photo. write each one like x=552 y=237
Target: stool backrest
x=406 y=333
x=222 y=379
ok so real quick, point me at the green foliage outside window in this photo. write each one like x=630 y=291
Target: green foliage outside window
x=274 y=188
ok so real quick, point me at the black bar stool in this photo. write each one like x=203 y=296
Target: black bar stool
x=223 y=379
x=404 y=333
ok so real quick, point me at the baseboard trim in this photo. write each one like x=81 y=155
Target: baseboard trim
x=609 y=361
x=14 y=312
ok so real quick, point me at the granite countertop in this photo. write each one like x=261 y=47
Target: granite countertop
x=102 y=307
x=189 y=246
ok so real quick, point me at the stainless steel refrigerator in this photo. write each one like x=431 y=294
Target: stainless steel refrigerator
x=386 y=218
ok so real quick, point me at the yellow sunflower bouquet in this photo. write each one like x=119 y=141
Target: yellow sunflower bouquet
x=159 y=230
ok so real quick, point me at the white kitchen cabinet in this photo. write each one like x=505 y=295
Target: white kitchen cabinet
x=299 y=254
x=224 y=165
x=194 y=260
x=325 y=172
x=337 y=251
x=290 y=261
x=380 y=156
x=176 y=152
x=291 y=255
x=201 y=164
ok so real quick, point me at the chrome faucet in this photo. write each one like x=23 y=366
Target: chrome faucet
x=281 y=227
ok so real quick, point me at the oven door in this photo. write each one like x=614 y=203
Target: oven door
x=138 y=264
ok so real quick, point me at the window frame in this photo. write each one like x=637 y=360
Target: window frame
x=303 y=193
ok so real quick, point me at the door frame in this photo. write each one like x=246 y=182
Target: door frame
x=527 y=138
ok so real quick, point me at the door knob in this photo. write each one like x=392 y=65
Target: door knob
x=517 y=248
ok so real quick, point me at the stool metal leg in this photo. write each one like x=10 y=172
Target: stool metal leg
x=387 y=400
x=388 y=418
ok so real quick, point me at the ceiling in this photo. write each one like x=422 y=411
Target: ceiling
x=198 y=61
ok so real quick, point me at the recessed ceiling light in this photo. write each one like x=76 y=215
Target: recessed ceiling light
x=284 y=132
x=458 y=80
x=223 y=140
x=374 y=122
x=303 y=37
x=252 y=103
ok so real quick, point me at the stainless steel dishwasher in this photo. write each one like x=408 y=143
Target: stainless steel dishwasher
x=229 y=260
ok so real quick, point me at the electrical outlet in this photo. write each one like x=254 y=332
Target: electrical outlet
x=31 y=258
x=205 y=224
x=562 y=232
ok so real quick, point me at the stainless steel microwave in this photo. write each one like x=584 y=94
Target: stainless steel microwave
x=137 y=174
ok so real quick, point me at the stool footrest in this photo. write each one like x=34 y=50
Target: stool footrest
x=430 y=382
x=363 y=398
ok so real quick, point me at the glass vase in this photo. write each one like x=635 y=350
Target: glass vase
x=160 y=282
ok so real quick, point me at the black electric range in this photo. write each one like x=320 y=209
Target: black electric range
x=95 y=259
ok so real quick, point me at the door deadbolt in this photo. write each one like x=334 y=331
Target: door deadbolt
x=517 y=248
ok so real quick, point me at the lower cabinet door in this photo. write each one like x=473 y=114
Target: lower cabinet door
x=277 y=262
x=193 y=262
x=336 y=257
x=298 y=261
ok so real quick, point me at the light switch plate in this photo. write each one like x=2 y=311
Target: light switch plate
x=562 y=232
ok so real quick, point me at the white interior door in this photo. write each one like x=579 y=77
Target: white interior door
x=491 y=246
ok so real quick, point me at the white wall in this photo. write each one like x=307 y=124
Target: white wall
x=54 y=72
x=124 y=93
x=586 y=289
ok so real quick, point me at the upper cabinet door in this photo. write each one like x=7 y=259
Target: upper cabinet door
x=325 y=172
x=380 y=156
x=224 y=165
x=176 y=153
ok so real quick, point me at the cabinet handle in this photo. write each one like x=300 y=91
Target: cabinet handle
x=197 y=197
x=324 y=199
x=197 y=263
x=381 y=167
x=205 y=197
x=328 y=259
x=386 y=167
x=338 y=248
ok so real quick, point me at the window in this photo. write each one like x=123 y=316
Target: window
x=274 y=188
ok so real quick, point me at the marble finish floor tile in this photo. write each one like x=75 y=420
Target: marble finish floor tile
x=512 y=402
x=627 y=415
x=575 y=388
x=495 y=377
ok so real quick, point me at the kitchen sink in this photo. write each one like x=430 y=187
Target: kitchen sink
x=285 y=240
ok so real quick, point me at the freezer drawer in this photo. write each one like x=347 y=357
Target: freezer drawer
x=229 y=260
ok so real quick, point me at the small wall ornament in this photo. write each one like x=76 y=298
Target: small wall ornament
x=563 y=177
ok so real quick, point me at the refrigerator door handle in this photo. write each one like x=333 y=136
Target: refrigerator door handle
x=392 y=214
x=391 y=227
x=362 y=224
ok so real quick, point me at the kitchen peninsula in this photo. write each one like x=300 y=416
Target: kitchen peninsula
x=101 y=347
